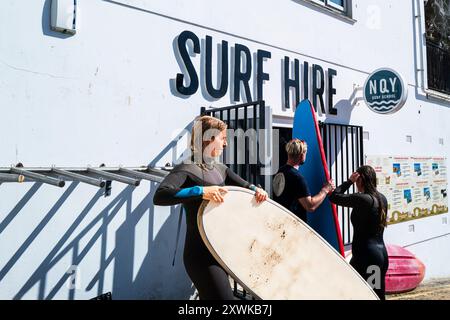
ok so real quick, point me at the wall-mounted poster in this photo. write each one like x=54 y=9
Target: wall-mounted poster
x=415 y=187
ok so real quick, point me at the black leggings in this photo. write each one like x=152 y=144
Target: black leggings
x=364 y=264
x=209 y=277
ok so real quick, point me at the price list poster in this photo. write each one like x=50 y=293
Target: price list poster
x=415 y=187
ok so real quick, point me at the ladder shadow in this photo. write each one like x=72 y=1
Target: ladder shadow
x=154 y=278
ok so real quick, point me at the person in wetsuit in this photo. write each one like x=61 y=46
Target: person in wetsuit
x=289 y=186
x=368 y=218
x=203 y=178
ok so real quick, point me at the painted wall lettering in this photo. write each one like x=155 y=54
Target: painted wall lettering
x=223 y=67
x=241 y=73
x=182 y=48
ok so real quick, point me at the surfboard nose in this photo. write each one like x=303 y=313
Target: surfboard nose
x=405 y=270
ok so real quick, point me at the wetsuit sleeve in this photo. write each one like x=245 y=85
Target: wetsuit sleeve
x=189 y=192
x=235 y=180
x=353 y=200
x=170 y=191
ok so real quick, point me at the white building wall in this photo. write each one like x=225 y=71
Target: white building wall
x=104 y=95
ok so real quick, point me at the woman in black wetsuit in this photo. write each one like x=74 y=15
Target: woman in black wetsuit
x=369 y=255
x=190 y=183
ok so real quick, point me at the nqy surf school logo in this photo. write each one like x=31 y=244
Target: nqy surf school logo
x=385 y=91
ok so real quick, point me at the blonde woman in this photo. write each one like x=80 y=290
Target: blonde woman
x=204 y=178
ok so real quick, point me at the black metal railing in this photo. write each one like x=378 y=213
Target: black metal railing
x=438 y=68
x=344 y=152
x=250 y=118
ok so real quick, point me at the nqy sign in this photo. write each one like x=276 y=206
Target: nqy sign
x=385 y=91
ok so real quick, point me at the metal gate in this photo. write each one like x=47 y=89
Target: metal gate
x=248 y=122
x=344 y=151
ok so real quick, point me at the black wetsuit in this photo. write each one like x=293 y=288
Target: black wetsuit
x=208 y=276
x=292 y=188
x=368 y=248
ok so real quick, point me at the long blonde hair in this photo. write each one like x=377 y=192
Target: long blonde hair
x=204 y=130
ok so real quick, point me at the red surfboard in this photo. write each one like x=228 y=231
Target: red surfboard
x=405 y=271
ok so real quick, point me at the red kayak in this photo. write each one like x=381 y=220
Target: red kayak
x=405 y=271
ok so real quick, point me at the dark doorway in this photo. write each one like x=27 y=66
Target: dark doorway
x=285 y=134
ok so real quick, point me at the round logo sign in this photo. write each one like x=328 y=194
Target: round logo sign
x=385 y=91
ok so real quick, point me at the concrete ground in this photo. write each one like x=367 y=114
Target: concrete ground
x=433 y=289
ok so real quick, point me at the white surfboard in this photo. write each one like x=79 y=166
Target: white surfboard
x=273 y=254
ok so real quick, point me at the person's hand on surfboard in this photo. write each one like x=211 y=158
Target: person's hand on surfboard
x=214 y=193
x=260 y=195
x=333 y=185
x=329 y=186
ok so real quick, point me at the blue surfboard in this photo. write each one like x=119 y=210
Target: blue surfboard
x=315 y=170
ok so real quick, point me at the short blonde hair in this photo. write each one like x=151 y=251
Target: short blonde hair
x=295 y=148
